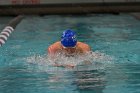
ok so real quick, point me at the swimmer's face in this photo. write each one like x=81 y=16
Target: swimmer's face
x=69 y=50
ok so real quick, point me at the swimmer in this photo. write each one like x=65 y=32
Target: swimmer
x=68 y=46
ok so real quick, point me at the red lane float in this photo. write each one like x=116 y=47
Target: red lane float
x=9 y=29
x=5 y=34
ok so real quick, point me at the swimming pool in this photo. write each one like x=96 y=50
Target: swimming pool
x=116 y=38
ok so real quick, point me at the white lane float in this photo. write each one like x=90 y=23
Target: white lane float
x=7 y=31
x=5 y=34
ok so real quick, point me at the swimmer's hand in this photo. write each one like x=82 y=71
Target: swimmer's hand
x=64 y=65
x=87 y=62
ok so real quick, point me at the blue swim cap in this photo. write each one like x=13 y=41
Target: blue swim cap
x=68 y=38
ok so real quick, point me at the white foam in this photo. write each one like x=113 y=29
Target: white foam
x=98 y=61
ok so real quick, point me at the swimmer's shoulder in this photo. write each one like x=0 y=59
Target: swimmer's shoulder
x=56 y=43
x=83 y=46
x=55 y=46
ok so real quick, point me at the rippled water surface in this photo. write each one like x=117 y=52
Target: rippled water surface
x=114 y=39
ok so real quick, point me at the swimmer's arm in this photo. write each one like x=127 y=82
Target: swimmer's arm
x=87 y=62
x=51 y=52
x=87 y=51
x=64 y=65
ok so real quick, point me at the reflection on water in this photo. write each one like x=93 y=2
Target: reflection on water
x=90 y=81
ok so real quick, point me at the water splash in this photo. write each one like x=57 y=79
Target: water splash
x=97 y=60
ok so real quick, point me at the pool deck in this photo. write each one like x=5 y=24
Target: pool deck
x=70 y=8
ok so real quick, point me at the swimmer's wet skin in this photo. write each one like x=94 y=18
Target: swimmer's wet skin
x=68 y=46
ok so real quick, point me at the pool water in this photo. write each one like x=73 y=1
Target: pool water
x=24 y=66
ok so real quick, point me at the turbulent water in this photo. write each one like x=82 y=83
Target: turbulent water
x=96 y=60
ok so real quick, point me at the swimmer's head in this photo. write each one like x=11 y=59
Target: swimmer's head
x=68 y=38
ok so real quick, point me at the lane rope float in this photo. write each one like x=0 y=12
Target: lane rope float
x=9 y=29
x=5 y=34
